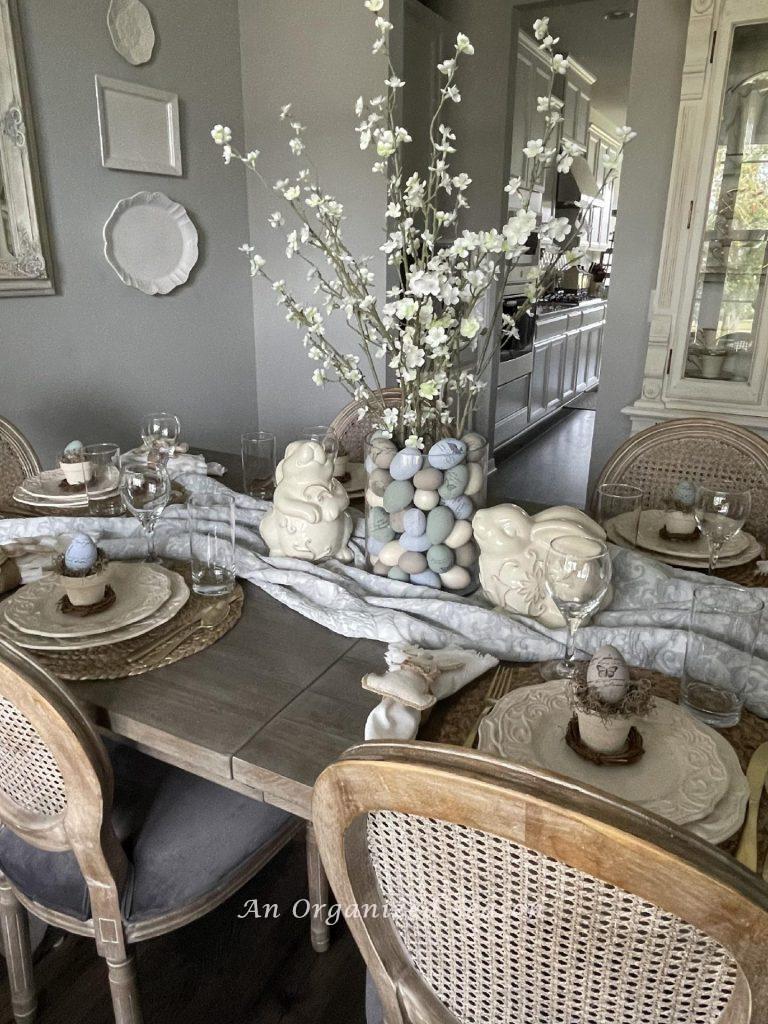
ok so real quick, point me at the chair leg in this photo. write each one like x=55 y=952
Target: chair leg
x=18 y=954
x=124 y=991
x=318 y=894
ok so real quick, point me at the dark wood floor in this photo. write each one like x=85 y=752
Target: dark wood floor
x=219 y=970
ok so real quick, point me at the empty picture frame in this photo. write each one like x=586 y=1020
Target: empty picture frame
x=138 y=127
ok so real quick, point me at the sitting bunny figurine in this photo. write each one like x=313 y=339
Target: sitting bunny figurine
x=308 y=519
x=513 y=549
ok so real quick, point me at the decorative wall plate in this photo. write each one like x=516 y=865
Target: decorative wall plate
x=681 y=777
x=138 y=127
x=140 y=590
x=130 y=27
x=177 y=600
x=150 y=243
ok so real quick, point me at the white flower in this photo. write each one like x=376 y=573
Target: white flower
x=394 y=211
x=297 y=146
x=463 y=45
x=534 y=148
x=626 y=134
x=424 y=283
x=518 y=228
x=470 y=325
x=374 y=5
x=221 y=135
x=513 y=186
x=385 y=144
x=359 y=106
x=541 y=27
x=564 y=162
x=313 y=200
x=292 y=192
x=389 y=421
x=559 y=64
x=394 y=82
x=451 y=92
x=557 y=229
x=251 y=157
x=318 y=376
x=406 y=308
x=414 y=441
x=365 y=138
x=276 y=219
x=285 y=111
x=543 y=103
x=383 y=25
x=257 y=262
x=462 y=181
x=226 y=152
x=549 y=42
x=447 y=67
x=428 y=389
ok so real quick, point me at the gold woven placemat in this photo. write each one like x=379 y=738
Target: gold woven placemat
x=451 y=720
x=111 y=661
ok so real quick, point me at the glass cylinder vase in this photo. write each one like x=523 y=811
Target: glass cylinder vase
x=419 y=506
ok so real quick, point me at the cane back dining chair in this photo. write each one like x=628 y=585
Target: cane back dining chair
x=484 y=892
x=705 y=451
x=17 y=460
x=352 y=430
x=120 y=848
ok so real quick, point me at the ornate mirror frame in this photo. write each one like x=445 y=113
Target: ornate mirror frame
x=25 y=263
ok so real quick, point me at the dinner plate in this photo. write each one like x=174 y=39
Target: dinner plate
x=177 y=600
x=681 y=777
x=139 y=588
x=46 y=486
x=752 y=551
x=652 y=520
x=728 y=814
x=22 y=498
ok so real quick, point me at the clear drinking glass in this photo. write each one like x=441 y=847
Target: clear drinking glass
x=714 y=682
x=212 y=543
x=322 y=435
x=103 y=487
x=258 y=454
x=160 y=432
x=625 y=500
x=720 y=514
x=146 y=490
x=577 y=574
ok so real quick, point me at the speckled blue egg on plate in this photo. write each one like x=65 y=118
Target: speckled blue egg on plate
x=72 y=449
x=81 y=555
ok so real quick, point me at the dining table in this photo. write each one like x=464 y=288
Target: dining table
x=268 y=706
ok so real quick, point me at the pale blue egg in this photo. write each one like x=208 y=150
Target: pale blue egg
x=72 y=447
x=685 y=492
x=81 y=554
x=411 y=543
x=462 y=507
x=406 y=464
x=427 y=579
x=415 y=521
x=446 y=453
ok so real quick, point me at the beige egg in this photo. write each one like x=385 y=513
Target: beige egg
x=456 y=578
x=426 y=500
x=390 y=554
x=460 y=535
x=608 y=674
x=476 y=478
x=466 y=555
x=373 y=500
x=412 y=562
x=380 y=569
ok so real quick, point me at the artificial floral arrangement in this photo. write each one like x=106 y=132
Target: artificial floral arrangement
x=430 y=331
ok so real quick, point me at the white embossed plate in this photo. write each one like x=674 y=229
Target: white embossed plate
x=139 y=589
x=652 y=520
x=728 y=814
x=680 y=777
x=177 y=600
x=753 y=549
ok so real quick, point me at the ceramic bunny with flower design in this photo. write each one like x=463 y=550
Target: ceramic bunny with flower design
x=513 y=549
x=309 y=518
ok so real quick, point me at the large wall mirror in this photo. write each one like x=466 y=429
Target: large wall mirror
x=25 y=265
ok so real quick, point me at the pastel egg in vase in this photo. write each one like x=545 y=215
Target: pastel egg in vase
x=419 y=505
x=83 y=571
x=75 y=464
x=679 y=520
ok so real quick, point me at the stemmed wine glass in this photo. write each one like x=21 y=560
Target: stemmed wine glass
x=720 y=515
x=577 y=574
x=146 y=490
x=160 y=432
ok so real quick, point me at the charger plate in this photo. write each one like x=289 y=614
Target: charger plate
x=617 y=533
x=682 y=776
x=46 y=486
x=651 y=522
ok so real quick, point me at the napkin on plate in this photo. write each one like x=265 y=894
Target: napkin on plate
x=34 y=556
x=415 y=680
x=182 y=463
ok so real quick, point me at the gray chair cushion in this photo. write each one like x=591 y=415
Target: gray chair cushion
x=184 y=837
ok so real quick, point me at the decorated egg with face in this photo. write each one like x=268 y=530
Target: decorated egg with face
x=81 y=555
x=608 y=674
x=685 y=493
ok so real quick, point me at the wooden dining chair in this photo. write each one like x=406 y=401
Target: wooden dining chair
x=120 y=848
x=483 y=892
x=352 y=430
x=17 y=459
x=704 y=451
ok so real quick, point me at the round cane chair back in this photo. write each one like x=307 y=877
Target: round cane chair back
x=483 y=891
x=706 y=452
x=17 y=459
x=352 y=429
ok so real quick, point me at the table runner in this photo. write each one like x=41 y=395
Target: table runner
x=647 y=618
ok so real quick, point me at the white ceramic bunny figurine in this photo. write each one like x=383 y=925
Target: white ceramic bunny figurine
x=513 y=548
x=308 y=520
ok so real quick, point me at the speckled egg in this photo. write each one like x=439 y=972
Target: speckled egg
x=462 y=507
x=476 y=447
x=73 y=447
x=406 y=464
x=378 y=525
x=421 y=542
x=455 y=481
x=426 y=579
x=378 y=481
x=412 y=562
x=390 y=554
x=398 y=495
x=456 y=578
x=426 y=500
x=414 y=521
x=396 y=573
x=685 y=493
x=428 y=479
x=446 y=453
x=439 y=524
x=440 y=558
x=460 y=535
x=608 y=674
x=475 y=478
x=81 y=555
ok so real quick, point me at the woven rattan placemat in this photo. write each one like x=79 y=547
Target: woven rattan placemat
x=452 y=719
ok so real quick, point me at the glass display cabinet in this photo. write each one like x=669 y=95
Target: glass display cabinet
x=708 y=344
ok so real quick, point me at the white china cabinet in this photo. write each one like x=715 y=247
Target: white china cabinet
x=708 y=344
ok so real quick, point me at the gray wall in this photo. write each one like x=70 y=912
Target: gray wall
x=90 y=360
x=654 y=98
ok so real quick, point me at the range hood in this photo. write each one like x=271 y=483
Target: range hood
x=578 y=183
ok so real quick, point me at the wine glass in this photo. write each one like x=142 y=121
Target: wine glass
x=577 y=574
x=146 y=490
x=160 y=432
x=720 y=515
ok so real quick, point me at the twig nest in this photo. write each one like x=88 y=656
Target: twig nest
x=608 y=675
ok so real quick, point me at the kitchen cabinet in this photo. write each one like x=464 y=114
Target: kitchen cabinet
x=537 y=398
x=531 y=80
x=600 y=219
x=576 y=109
x=570 y=363
x=555 y=363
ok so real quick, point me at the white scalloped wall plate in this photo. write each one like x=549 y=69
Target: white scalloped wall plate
x=130 y=28
x=150 y=243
